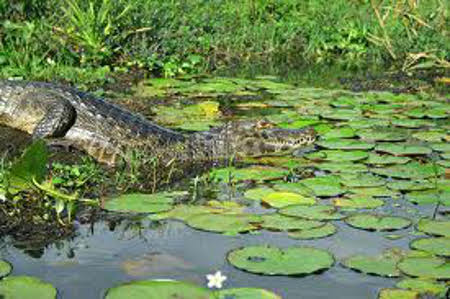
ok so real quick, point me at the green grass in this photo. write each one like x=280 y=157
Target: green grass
x=84 y=41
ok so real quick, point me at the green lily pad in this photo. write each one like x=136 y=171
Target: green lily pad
x=411 y=170
x=183 y=212
x=444 y=163
x=26 y=287
x=282 y=161
x=423 y=286
x=361 y=180
x=275 y=261
x=378 y=159
x=338 y=167
x=397 y=294
x=281 y=199
x=253 y=173
x=154 y=289
x=434 y=227
x=377 y=222
x=324 y=186
x=5 y=268
x=358 y=202
x=342 y=114
x=245 y=293
x=430 y=136
x=257 y=193
x=445 y=156
x=369 y=123
x=397 y=149
x=382 y=134
x=438 y=246
x=224 y=223
x=312 y=212
x=342 y=132
x=374 y=192
x=284 y=223
x=441 y=147
x=425 y=267
x=410 y=185
x=383 y=265
x=412 y=123
x=314 y=233
x=422 y=112
x=142 y=203
x=337 y=155
x=345 y=144
x=429 y=197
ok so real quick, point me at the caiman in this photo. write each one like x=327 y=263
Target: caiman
x=108 y=132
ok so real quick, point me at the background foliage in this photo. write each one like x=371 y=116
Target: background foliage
x=87 y=39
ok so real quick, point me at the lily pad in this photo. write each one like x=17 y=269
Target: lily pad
x=378 y=159
x=342 y=114
x=245 y=293
x=224 y=223
x=257 y=193
x=345 y=144
x=183 y=212
x=142 y=203
x=434 y=227
x=383 y=265
x=5 y=268
x=410 y=185
x=312 y=212
x=397 y=294
x=382 y=134
x=412 y=123
x=253 y=173
x=324 y=186
x=423 y=286
x=438 y=246
x=275 y=261
x=361 y=180
x=430 y=136
x=314 y=233
x=358 y=202
x=374 y=192
x=377 y=222
x=26 y=287
x=282 y=199
x=337 y=155
x=441 y=147
x=285 y=223
x=342 y=132
x=397 y=149
x=411 y=170
x=154 y=289
x=429 y=197
x=346 y=167
x=425 y=267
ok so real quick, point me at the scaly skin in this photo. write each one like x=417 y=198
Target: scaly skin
x=108 y=132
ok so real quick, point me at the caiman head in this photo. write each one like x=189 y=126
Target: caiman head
x=253 y=139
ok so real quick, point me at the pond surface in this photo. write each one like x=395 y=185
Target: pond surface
x=377 y=154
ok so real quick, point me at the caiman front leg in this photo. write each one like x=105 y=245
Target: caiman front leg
x=59 y=115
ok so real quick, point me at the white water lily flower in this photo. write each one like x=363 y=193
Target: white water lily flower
x=215 y=280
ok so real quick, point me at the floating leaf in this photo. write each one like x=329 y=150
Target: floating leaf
x=312 y=212
x=336 y=167
x=441 y=147
x=154 y=289
x=5 y=268
x=314 y=233
x=429 y=197
x=410 y=185
x=342 y=114
x=377 y=222
x=398 y=149
x=358 y=202
x=438 y=246
x=324 y=186
x=382 y=134
x=183 y=212
x=397 y=294
x=374 y=192
x=425 y=267
x=245 y=293
x=412 y=123
x=285 y=223
x=434 y=227
x=383 y=265
x=412 y=170
x=275 y=261
x=337 y=155
x=422 y=286
x=361 y=180
x=224 y=223
x=345 y=144
x=282 y=199
x=142 y=203
x=430 y=136
x=377 y=159
x=254 y=173
x=257 y=193
x=26 y=287
x=342 y=132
